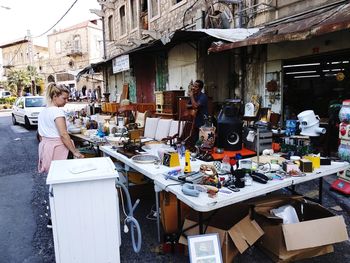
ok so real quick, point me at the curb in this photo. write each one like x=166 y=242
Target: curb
x=6 y=110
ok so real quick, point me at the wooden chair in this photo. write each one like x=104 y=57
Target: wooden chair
x=186 y=126
x=126 y=111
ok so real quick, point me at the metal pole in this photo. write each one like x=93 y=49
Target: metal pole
x=257 y=145
x=31 y=61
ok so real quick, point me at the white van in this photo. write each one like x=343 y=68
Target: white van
x=5 y=94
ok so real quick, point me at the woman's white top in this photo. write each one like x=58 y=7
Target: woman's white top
x=46 y=121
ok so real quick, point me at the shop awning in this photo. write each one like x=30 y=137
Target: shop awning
x=319 y=22
x=91 y=69
x=174 y=38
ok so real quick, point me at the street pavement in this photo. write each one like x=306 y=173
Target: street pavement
x=23 y=210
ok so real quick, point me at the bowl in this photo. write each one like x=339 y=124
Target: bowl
x=116 y=141
x=74 y=130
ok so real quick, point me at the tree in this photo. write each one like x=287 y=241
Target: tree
x=34 y=76
x=18 y=78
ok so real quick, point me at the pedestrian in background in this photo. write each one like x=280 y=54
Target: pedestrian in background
x=55 y=142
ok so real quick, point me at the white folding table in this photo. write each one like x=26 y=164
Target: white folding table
x=204 y=203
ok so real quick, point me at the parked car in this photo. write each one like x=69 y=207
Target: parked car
x=26 y=110
x=5 y=94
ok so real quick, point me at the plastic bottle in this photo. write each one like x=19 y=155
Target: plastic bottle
x=178 y=149
x=183 y=149
x=226 y=166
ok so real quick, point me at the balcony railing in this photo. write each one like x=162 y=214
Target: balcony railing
x=74 y=52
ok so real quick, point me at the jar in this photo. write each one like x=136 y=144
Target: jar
x=112 y=127
x=105 y=128
x=344 y=113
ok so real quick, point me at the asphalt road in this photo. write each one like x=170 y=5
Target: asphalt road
x=23 y=208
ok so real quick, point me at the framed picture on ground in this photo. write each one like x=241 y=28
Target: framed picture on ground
x=204 y=248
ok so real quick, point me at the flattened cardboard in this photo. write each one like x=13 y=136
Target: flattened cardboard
x=315 y=233
x=235 y=228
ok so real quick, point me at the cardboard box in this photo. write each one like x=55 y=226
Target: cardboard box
x=169 y=212
x=306 y=166
x=289 y=166
x=314 y=235
x=315 y=159
x=325 y=161
x=236 y=230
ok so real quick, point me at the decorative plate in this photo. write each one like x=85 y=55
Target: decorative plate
x=145 y=158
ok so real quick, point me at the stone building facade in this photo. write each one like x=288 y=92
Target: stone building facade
x=70 y=50
x=288 y=31
x=17 y=54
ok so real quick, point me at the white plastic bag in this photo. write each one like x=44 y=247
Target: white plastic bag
x=287 y=213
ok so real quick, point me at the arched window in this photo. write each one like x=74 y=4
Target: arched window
x=76 y=43
x=122 y=16
x=50 y=78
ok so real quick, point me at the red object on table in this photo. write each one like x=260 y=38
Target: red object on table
x=244 y=152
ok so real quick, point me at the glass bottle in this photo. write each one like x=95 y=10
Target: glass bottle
x=106 y=127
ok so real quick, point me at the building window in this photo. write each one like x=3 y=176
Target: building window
x=76 y=43
x=175 y=2
x=133 y=14
x=144 y=14
x=110 y=28
x=98 y=43
x=122 y=20
x=154 y=8
x=58 y=47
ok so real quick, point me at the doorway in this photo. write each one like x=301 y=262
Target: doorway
x=319 y=83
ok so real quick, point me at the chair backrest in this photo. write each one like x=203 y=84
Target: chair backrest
x=163 y=129
x=151 y=125
x=140 y=118
x=186 y=125
x=126 y=111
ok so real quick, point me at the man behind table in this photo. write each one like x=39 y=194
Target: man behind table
x=198 y=101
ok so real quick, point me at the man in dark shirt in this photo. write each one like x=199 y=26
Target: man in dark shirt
x=198 y=101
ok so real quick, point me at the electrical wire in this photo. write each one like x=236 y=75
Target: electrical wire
x=15 y=54
x=58 y=20
x=188 y=9
x=172 y=185
x=122 y=199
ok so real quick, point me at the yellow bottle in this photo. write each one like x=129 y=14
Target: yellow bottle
x=187 y=162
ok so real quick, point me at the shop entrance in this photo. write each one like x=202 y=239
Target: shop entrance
x=319 y=83
x=315 y=82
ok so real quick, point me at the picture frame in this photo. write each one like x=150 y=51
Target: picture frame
x=204 y=248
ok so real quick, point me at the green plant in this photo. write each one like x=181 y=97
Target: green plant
x=20 y=78
x=8 y=101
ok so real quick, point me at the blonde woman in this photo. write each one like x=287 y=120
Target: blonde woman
x=55 y=142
